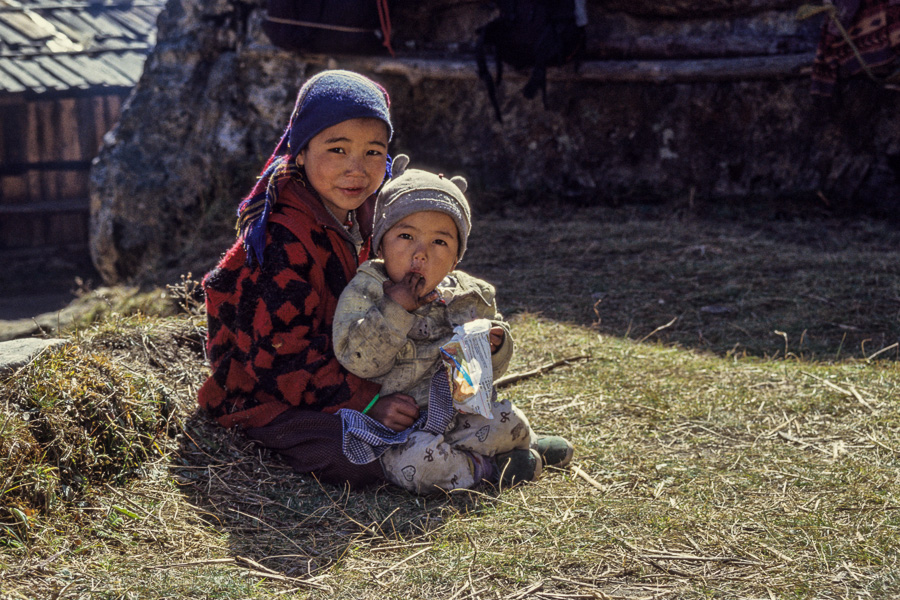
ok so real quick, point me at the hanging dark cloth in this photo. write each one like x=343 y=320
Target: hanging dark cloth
x=874 y=28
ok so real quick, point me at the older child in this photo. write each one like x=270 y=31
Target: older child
x=271 y=299
x=390 y=324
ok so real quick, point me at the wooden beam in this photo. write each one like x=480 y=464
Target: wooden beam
x=38 y=208
x=19 y=168
x=124 y=5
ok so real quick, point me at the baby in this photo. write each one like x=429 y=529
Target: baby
x=390 y=325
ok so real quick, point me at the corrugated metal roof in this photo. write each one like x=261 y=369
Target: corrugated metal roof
x=58 y=46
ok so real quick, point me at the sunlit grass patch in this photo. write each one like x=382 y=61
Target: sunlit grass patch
x=694 y=475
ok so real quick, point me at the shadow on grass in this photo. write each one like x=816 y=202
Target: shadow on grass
x=292 y=524
x=817 y=287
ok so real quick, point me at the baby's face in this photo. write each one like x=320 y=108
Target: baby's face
x=425 y=243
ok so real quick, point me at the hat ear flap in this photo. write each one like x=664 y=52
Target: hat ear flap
x=460 y=183
x=398 y=165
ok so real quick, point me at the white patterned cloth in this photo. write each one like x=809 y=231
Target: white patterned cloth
x=462 y=456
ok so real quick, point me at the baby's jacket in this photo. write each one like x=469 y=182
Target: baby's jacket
x=379 y=340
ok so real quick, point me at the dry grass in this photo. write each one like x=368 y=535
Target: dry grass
x=710 y=473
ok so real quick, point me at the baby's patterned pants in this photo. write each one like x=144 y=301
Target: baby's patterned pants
x=427 y=461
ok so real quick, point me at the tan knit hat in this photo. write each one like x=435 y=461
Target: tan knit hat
x=411 y=191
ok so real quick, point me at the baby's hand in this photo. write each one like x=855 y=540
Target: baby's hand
x=497 y=335
x=395 y=411
x=408 y=291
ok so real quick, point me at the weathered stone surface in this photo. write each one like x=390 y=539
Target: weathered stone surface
x=215 y=96
x=692 y=9
x=623 y=35
x=18 y=353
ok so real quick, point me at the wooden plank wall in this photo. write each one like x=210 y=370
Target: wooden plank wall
x=46 y=147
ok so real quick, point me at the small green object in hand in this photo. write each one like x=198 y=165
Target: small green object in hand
x=372 y=403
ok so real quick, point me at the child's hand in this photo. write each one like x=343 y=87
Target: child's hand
x=497 y=335
x=408 y=292
x=395 y=411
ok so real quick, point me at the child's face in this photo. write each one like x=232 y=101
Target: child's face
x=345 y=163
x=425 y=243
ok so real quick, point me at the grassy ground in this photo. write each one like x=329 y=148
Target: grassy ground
x=736 y=427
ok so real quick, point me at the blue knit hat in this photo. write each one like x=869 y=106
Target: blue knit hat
x=326 y=99
x=329 y=98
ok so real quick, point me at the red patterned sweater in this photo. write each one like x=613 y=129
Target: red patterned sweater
x=269 y=339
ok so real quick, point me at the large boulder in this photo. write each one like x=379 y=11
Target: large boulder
x=703 y=101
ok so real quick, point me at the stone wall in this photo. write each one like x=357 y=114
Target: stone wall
x=703 y=100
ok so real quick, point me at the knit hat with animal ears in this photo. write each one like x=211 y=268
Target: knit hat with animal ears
x=326 y=99
x=411 y=191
